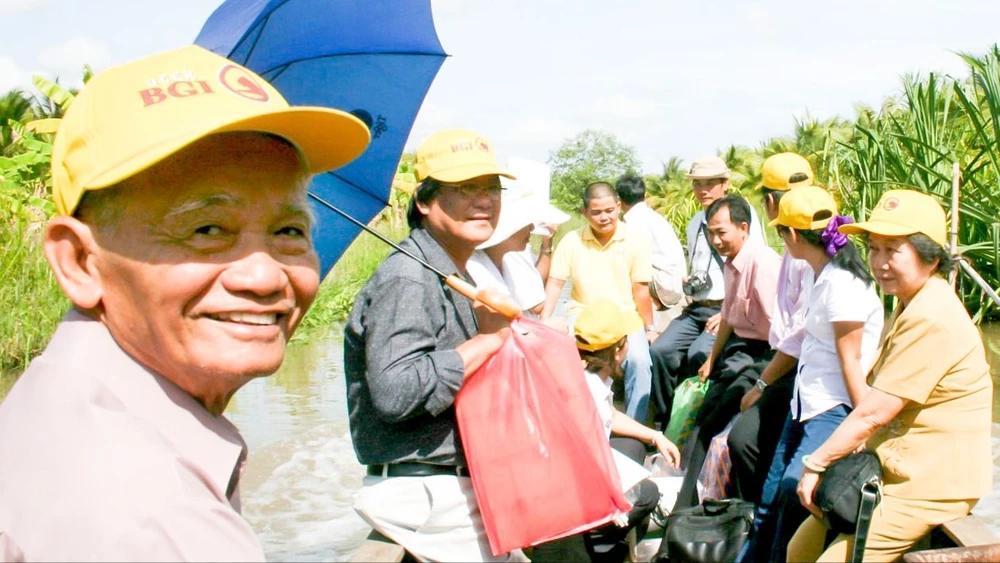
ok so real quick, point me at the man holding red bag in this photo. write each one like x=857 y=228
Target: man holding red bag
x=409 y=344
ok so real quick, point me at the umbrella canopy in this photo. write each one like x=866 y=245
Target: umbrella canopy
x=374 y=59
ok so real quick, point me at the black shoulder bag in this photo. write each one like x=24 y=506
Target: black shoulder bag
x=848 y=492
x=713 y=531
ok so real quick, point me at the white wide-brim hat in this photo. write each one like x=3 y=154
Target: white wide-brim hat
x=525 y=201
x=516 y=214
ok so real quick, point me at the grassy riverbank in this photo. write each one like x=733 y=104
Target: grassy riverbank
x=31 y=303
x=341 y=286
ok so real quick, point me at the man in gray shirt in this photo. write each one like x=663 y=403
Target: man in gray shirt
x=410 y=342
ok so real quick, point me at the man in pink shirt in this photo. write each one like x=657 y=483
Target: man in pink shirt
x=751 y=278
x=183 y=244
x=754 y=437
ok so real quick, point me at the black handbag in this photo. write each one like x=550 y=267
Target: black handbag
x=848 y=492
x=713 y=531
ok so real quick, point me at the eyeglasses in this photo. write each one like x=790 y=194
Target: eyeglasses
x=474 y=190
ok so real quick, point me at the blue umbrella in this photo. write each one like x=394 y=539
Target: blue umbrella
x=376 y=59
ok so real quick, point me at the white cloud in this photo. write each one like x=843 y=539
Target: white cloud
x=12 y=76
x=67 y=59
x=15 y=6
x=624 y=107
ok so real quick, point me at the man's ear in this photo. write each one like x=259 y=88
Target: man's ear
x=70 y=249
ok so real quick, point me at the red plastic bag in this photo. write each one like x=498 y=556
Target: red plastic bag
x=538 y=456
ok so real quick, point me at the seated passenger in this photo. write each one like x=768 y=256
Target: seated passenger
x=602 y=331
x=502 y=262
x=842 y=331
x=606 y=259
x=751 y=279
x=689 y=338
x=928 y=413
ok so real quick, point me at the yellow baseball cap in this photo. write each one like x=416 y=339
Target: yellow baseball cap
x=784 y=171
x=602 y=324
x=456 y=155
x=798 y=208
x=132 y=116
x=904 y=212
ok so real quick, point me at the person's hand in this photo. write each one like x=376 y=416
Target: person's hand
x=712 y=324
x=652 y=334
x=551 y=228
x=668 y=450
x=807 y=490
x=705 y=370
x=751 y=397
x=489 y=321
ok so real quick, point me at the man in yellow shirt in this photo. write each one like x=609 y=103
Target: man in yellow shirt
x=605 y=260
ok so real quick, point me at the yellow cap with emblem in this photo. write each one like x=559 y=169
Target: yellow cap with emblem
x=904 y=212
x=132 y=116
x=456 y=155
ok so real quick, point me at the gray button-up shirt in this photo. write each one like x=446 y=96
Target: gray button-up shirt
x=402 y=368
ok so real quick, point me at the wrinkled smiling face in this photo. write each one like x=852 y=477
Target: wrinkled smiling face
x=464 y=215
x=211 y=266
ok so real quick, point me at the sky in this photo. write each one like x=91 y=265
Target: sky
x=668 y=77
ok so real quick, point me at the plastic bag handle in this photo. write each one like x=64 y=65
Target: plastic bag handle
x=503 y=304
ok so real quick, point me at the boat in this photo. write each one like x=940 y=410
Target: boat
x=965 y=539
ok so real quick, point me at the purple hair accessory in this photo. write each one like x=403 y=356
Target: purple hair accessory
x=832 y=238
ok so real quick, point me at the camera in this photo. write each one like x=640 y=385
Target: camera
x=696 y=283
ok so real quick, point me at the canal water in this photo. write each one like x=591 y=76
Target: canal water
x=302 y=473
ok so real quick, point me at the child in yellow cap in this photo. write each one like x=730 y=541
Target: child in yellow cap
x=601 y=332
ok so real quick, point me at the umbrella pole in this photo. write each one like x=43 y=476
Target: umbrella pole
x=500 y=303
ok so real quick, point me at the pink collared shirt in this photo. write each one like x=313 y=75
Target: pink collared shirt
x=102 y=459
x=751 y=285
x=788 y=319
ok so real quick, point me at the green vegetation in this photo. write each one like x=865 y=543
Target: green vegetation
x=587 y=157
x=30 y=299
x=911 y=142
x=341 y=286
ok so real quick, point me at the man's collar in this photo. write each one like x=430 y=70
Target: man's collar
x=433 y=252
x=745 y=255
x=588 y=233
x=637 y=209
x=85 y=345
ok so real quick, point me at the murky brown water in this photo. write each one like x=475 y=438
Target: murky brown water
x=302 y=472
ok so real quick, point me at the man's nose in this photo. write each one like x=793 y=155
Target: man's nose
x=258 y=273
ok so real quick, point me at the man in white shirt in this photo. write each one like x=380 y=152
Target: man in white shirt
x=689 y=338
x=666 y=251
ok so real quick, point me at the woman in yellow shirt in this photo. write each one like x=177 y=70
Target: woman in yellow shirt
x=928 y=414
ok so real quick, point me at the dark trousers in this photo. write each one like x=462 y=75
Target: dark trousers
x=732 y=376
x=607 y=543
x=676 y=354
x=755 y=435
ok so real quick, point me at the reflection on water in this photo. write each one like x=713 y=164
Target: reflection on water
x=302 y=473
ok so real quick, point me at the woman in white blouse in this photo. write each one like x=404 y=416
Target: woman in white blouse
x=843 y=324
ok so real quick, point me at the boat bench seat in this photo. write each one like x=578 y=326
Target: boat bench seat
x=975 y=542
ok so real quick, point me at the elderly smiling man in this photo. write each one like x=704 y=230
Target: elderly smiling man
x=183 y=243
